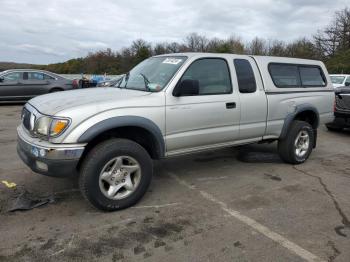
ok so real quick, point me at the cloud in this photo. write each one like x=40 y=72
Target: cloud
x=90 y=45
x=33 y=49
x=49 y=31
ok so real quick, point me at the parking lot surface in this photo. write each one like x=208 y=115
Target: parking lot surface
x=235 y=204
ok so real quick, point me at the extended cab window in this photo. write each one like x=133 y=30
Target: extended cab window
x=290 y=75
x=245 y=76
x=212 y=74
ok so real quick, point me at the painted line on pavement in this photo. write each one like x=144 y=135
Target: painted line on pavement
x=296 y=249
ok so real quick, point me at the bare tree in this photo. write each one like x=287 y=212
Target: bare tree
x=302 y=48
x=276 y=48
x=258 y=46
x=196 y=43
x=336 y=36
x=173 y=47
x=160 y=48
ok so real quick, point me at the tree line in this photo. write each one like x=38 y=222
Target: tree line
x=330 y=44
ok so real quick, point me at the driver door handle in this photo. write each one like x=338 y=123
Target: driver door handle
x=231 y=105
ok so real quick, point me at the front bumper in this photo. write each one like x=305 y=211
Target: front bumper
x=58 y=160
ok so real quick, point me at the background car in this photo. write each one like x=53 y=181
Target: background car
x=341 y=110
x=340 y=80
x=108 y=83
x=19 y=85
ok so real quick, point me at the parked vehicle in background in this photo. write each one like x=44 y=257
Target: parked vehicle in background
x=340 y=80
x=172 y=105
x=19 y=85
x=341 y=110
x=110 y=83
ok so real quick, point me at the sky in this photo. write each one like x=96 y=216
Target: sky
x=50 y=31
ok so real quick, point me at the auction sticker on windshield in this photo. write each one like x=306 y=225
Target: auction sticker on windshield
x=173 y=61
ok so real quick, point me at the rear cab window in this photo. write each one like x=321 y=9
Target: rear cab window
x=295 y=75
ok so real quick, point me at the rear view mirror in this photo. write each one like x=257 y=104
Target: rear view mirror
x=187 y=87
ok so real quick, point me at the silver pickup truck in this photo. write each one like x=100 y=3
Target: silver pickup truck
x=171 y=105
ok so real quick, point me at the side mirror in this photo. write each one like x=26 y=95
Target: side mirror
x=347 y=83
x=1 y=79
x=186 y=87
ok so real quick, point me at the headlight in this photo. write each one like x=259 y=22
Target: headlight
x=48 y=126
x=42 y=126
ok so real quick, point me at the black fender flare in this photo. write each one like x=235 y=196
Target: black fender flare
x=290 y=117
x=126 y=121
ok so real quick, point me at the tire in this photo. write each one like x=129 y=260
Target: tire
x=334 y=128
x=289 y=149
x=99 y=189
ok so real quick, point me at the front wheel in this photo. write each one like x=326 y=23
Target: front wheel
x=297 y=146
x=115 y=174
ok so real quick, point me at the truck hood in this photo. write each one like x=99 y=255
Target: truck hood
x=53 y=103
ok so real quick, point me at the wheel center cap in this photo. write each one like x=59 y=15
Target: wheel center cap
x=119 y=175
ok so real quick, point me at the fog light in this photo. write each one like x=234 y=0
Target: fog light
x=42 y=152
x=35 y=151
x=41 y=165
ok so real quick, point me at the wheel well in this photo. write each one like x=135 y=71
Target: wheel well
x=308 y=116
x=136 y=134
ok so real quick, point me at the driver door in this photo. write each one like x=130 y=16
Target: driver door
x=207 y=119
x=35 y=83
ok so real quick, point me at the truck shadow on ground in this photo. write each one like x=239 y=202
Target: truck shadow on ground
x=254 y=153
x=258 y=154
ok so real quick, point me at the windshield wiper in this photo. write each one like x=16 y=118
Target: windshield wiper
x=146 y=82
x=126 y=77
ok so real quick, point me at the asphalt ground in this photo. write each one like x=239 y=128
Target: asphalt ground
x=234 y=204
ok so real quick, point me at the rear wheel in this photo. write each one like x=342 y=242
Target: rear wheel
x=115 y=174
x=297 y=146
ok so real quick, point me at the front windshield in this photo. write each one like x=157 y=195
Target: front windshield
x=152 y=74
x=337 y=79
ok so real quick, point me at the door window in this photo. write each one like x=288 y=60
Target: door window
x=212 y=74
x=15 y=76
x=35 y=76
